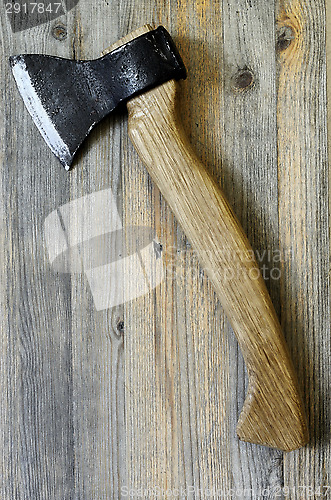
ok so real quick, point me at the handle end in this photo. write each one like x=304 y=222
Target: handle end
x=278 y=421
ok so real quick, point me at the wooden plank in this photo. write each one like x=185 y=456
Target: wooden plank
x=304 y=229
x=191 y=335
x=328 y=62
x=97 y=345
x=6 y=406
x=64 y=376
x=39 y=454
x=249 y=177
x=169 y=350
x=97 y=338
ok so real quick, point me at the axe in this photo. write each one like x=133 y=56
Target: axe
x=67 y=98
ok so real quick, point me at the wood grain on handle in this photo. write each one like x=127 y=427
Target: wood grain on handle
x=273 y=412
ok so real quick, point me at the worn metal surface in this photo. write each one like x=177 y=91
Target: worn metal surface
x=67 y=98
x=148 y=394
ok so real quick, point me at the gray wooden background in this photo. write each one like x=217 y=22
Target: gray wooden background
x=147 y=395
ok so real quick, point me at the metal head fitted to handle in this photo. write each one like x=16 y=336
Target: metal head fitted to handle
x=67 y=98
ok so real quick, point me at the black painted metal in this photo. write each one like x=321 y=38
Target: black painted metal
x=76 y=95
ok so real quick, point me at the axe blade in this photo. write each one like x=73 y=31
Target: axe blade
x=67 y=98
x=41 y=97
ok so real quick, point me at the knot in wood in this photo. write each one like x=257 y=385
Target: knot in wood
x=120 y=327
x=285 y=35
x=59 y=32
x=243 y=80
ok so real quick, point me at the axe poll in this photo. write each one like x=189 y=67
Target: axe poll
x=67 y=98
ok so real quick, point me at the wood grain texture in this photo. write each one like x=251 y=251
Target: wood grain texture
x=249 y=177
x=273 y=413
x=84 y=410
x=303 y=229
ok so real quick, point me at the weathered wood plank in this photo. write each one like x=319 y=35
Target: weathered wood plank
x=97 y=343
x=169 y=350
x=64 y=375
x=249 y=177
x=6 y=405
x=200 y=22
x=39 y=453
x=304 y=231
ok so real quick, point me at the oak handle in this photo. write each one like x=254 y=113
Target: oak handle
x=273 y=413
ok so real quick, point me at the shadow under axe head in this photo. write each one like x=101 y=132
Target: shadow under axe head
x=67 y=98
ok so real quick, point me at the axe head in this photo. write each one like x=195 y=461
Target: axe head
x=67 y=98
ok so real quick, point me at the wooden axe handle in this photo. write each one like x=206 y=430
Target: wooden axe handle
x=273 y=412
